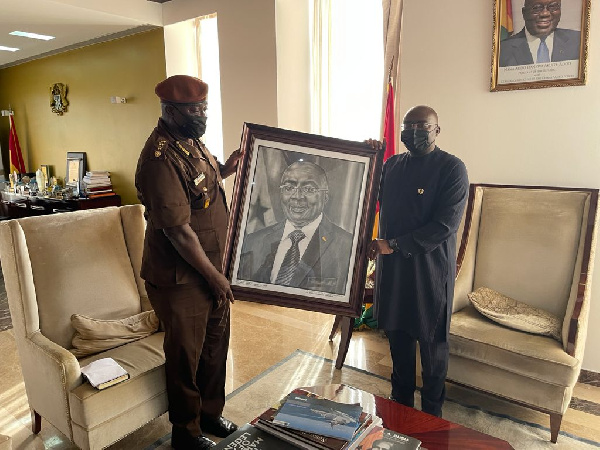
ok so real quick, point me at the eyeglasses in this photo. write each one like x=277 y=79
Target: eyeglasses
x=418 y=125
x=288 y=189
x=539 y=8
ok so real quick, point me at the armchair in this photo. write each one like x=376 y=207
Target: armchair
x=535 y=245
x=85 y=262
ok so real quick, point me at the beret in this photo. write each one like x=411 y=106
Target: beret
x=181 y=89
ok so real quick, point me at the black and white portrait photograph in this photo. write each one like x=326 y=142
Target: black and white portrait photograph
x=300 y=219
x=539 y=41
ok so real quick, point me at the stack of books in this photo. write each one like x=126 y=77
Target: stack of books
x=97 y=184
x=307 y=421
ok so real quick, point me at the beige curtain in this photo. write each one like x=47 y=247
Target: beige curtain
x=392 y=27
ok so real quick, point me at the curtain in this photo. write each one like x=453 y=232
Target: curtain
x=392 y=27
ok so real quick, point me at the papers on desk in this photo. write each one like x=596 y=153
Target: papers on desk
x=104 y=372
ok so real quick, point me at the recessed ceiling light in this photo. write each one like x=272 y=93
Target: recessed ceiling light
x=8 y=49
x=31 y=35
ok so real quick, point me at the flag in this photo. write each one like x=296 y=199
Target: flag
x=389 y=136
x=14 y=149
x=506 y=19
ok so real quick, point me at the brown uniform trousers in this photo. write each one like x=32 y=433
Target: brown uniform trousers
x=179 y=183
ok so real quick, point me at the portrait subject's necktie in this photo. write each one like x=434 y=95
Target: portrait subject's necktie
x=291 y=259
x=543 y=54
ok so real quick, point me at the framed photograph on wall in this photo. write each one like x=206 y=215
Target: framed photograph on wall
x=301 y=219
x=76 y=167
x=540 y=43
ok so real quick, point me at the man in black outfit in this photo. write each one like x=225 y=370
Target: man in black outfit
x=422 y=197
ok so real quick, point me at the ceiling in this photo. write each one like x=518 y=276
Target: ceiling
x=73 y=23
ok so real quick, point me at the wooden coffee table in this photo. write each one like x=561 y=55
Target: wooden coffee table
x=434 y=433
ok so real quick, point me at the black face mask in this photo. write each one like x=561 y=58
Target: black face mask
x=416 y=141
x=193 y=126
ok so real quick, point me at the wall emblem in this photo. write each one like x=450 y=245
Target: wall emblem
x=58 y=98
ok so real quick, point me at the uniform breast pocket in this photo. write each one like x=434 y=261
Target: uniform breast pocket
x=199 y=192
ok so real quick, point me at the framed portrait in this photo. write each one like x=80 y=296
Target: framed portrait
x=301 y=220
x=540 y=43
x=76 y=167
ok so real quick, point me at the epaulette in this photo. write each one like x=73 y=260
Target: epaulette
x=161 y=147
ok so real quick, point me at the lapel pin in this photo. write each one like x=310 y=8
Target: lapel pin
x=421 y=191
x=324 y=239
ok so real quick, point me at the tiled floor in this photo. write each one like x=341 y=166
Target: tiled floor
x=263 y=335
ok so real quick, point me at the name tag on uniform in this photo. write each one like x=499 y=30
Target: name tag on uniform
x=199 y=179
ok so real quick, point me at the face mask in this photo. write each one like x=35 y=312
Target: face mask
x=193 y=126
x=416 y=141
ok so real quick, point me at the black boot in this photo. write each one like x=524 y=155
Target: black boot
x=220 y=427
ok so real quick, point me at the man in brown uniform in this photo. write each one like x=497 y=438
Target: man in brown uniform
x=180 y=184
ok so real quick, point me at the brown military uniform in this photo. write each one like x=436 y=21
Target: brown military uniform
x=179 y=182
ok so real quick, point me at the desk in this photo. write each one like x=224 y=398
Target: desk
x=15 y=206
x=435 y=433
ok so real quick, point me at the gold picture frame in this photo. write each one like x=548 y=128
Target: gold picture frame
x=514 y=60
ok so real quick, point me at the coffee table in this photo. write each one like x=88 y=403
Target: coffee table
x=435 y=433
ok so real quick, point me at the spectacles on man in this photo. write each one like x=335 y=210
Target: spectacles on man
x=289 y=189
x=418 y=125
x=538 y=8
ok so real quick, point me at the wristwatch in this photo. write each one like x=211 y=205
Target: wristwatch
x=393 y=243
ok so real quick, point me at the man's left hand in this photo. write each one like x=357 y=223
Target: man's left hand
x=230 y=165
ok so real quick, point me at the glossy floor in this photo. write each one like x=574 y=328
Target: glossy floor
x=261 y=336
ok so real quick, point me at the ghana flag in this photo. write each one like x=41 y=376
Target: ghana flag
x=506 y=19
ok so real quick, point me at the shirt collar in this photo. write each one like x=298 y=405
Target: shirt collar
x=308 y=229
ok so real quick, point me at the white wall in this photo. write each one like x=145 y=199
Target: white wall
x=533 y=137
x=248 y=60
x=180 y=48
x=293 y=64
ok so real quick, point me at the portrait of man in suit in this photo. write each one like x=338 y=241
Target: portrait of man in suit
x=305 y=250
x=541 y=40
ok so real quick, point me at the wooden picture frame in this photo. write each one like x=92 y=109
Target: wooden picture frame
x=76 y=167
x=517 y=46
x=329 y=186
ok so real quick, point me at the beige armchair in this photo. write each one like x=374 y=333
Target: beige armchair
x=535 y=245
x=85 y=262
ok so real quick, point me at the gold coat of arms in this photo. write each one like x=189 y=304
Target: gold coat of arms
x=58 y=98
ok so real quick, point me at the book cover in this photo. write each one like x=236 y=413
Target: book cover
x=104 y=372
x=319 y=416
x=380 y=438
x=248 y=437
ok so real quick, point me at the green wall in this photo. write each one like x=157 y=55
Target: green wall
x=112 y=135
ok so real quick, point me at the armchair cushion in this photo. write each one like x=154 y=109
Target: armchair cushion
x=144 y=361
x=97 y=335
x=515 y=314
x=474 y=337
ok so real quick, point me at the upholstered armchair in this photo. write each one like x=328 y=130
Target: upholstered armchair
x=535 y=245
x=85 y=262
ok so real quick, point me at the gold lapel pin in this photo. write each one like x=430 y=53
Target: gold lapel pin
x=421 y=191
x=324 y=239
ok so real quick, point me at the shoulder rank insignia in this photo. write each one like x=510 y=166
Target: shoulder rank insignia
x=199 y=179
x=157 y=153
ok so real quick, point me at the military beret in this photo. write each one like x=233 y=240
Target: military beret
x=181 y=89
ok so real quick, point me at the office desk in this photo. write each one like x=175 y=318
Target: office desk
x=15 y=206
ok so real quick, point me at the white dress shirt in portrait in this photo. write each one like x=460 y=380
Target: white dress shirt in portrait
x=534 y=44
x=286 y=242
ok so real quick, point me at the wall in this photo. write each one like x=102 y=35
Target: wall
x=112 y=135
x=248 y=60
x=293 y=64
x=533 y=137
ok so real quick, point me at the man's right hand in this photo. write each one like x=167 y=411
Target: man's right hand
x=379 y=247
x=220 y=288
x=375 y=144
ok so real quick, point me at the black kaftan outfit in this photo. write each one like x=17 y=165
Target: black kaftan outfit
x=422 y=201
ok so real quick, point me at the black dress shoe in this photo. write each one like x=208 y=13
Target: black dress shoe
x=220 y=427
x=181 y=440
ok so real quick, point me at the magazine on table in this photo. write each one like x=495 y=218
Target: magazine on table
x=319 y=416
x=248 y=437
x=382 y=438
